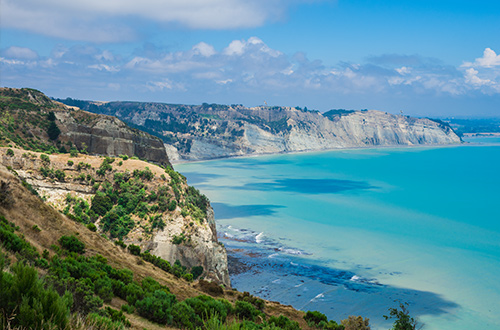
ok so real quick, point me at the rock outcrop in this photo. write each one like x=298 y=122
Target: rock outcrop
x=202 y=249
x=107 y=135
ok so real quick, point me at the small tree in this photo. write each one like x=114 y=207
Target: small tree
x=53 y=131
x=402 y=318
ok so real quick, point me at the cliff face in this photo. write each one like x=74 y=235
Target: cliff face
x=203 y=248
x=106 y=135
x=214 y=131
x=312 y=131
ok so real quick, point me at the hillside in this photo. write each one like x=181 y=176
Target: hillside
x=102 y=274
x=207 y=131
x=32 y=121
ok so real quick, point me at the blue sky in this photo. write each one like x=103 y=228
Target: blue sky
x=426 y=58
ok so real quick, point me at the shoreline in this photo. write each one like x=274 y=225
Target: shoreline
x=463 y=143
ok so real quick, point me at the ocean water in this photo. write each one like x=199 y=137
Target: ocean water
x=355 y=232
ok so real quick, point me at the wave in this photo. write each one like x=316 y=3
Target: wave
x=258 y=238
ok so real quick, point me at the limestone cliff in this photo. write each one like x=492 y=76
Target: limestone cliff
x=214 y=131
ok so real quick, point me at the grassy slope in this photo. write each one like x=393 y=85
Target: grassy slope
x=28 y=210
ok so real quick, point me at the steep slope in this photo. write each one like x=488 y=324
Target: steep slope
x=41 y=226
x=212 y=131
x=128 y=200
x=32 y=121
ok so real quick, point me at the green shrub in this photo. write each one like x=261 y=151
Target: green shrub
x=25 y=297
x=283 y=323
x=99 y=322
x=92 y=227
x=70 y=162
x=101 y=203
x=184 y=317
x=197 y=271
x=121 y=244
x=315 y=317
x=134 y=249
x=157 y=307
x=45 y=158
x=72 y=244
x=9 y=152
x=245 y=310
x=133 y=293
x=128 y=309
x=257 y=302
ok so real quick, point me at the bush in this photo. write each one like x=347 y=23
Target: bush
x=197 y=271
x=128 y=309
x=9 y=152
x=92 y=227
x=101 y=204
x=315 y=317
x=72 y=244
x=45 y=158
x=257 y=302
x=25 y=297
x=356 y=323
x=157 y=307
x=211 y=288
x=183 y=316
x=283 y=323
x=70 y=162
x=245 y=310
x=134 y=249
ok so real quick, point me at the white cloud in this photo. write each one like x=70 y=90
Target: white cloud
x=403 y=70
x=20 y=53
x=104 y=67
x=236 y=47
x=244 y=67
x=119 y=20
x=490 y=59
x=204 y=49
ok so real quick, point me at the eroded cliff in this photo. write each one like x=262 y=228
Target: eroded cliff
x=214 y=131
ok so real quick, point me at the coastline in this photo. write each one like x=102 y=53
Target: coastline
x=311 y=151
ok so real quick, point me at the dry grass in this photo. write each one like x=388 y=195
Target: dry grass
x=28 y=210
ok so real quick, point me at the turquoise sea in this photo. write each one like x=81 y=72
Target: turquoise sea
x=354 y=232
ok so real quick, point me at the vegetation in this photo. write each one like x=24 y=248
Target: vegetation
x=356 y=323
x=402 y=318
x=26 y=123
x=473 y=126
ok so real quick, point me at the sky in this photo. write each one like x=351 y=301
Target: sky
x=435 y=58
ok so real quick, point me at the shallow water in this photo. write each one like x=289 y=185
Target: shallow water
x=358 y=231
